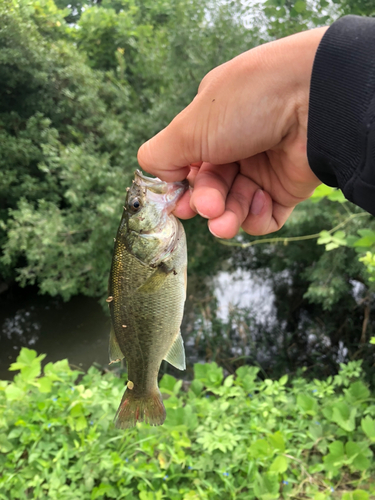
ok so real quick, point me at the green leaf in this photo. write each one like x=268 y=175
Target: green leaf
x=361 y=463
x=209 y=373
x=45 y=384
x=25 y=358
x=368 y=426
x=356 y=495
x=331 y=246
x=321 y=192
x=77 y=410
x=260 y=449
x=167 y=384
x=357 y=455
x=246 y=376
x=337 y=195
x=28 y=363
x=5 y=445
x=365 y=232
x=80 y=423
x=344 y=416
x=266 y=486
x=13 y=392
x=320 y=496
x=196 y=387
x=316 y=431
x=325 y=237
x=367 y=241
x=279 y=465
x=104 y=489
x=300 y=6
x=335 y=458
x=307 y=403
x=337 y=449
x=332 y=241
x=277 y=441
x=357 y=391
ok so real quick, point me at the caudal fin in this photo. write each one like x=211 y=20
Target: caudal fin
x=133 y=409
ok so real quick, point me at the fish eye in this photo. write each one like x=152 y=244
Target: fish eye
x=134 y=204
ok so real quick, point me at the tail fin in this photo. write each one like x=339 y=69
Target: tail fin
x=133 y=409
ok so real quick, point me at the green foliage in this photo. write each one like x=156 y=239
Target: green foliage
x=281 y=440
x=80 y=90
x=60 y=164
x=363 y=241
x=287 y=17
x=324 y=293
x=76 y=102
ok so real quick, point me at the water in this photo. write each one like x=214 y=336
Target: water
x=245 y=290
x=78 y=330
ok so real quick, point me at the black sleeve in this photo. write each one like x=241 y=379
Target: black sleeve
x=341 y=123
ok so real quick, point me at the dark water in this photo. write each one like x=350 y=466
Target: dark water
x=77 y=330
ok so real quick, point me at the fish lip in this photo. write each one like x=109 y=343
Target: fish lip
x=170 y=192
x=142 y=176
x=151 y=183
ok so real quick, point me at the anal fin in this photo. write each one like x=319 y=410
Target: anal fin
x=115 y=353
x=176 y=353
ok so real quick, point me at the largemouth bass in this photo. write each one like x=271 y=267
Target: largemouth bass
x=147 y=290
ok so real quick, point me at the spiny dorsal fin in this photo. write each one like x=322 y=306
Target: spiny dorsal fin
x=114 y=350
x=176 y=353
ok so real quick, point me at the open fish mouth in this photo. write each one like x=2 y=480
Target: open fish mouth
x=158 y=191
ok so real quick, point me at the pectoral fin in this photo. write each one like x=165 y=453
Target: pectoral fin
x=115 y=353
x=156 y=280
x=176 y=354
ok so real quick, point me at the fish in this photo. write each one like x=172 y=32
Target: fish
x=146 y=295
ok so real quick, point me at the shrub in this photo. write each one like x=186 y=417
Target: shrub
x=237 y=437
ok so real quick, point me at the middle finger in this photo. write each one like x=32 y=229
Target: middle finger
x=211 y=186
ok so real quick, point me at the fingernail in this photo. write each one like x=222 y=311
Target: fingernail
x=202 y=215
x=198 y=212
x=257 y=203
x=216 y=236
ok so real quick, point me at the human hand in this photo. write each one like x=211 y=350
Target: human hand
x=242 y=141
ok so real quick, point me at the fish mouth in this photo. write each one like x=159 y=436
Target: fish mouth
x=165 y=193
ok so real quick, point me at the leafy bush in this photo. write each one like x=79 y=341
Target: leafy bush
x=76 y=102
x=236 y=437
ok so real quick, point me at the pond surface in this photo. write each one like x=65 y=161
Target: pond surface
x=78 y=330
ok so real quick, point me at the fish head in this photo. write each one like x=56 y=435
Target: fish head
x=150 y=229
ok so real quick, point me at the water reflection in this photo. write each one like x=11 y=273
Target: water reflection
x=244 y=289
x=22 y=328
x=77 y=330
x=232 y=319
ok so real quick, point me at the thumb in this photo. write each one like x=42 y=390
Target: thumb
x=169 y=153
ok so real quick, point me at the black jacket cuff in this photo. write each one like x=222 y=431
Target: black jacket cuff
x=341 y=123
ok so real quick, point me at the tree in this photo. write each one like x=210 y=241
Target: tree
x=76 y=101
